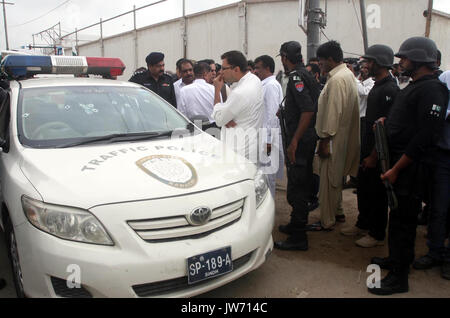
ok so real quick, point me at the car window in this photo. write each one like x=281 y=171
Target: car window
x=48 y=117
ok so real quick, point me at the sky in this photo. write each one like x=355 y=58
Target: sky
x=28 y=17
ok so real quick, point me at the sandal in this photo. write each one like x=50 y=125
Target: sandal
x=316 y=227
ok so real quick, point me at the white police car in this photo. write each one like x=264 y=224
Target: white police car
x=100 y=197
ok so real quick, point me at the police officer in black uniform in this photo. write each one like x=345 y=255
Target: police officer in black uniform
x=302 y=95
x=371 y=193
x=413 y=127
x=155 y=79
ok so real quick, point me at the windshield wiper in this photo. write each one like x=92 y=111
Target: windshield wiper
x=118 y=138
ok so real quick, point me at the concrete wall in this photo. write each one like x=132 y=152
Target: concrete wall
x=213 y=33
x=259 y=27
x=164 y=37
x=440 y=29
x=121 y=47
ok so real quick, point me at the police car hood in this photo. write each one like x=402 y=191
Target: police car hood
x=86 y=176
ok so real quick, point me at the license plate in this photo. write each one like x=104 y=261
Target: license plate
x=209 y=265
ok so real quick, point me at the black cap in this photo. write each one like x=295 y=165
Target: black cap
x=418 y=49
x=154 y=58
x=292 y=50
x=382 y=54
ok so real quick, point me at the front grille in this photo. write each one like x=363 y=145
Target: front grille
x=61 y=289
x=178 y=228
x=181 y=283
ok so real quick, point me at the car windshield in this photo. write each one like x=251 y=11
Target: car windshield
x=70 y=115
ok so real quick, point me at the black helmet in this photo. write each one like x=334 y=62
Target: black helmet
x=292 y=50
x=418 y=49
x=382 y=54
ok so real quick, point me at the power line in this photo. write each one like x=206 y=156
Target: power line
x=357 y=54
x=357 y=18
x=18 y=25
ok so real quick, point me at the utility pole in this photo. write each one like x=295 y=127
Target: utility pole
x=314 y=24
x=429 y=16
x=362 y=5
x=4 y=19
x=184 y=30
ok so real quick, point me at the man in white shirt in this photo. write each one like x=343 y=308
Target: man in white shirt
x=186 y=70
x=273 y=95
x=212 y=66
x=243 y=112
x=364 y=84
x=197 y=99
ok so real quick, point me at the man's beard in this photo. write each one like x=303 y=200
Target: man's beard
x=373 y=71
x=407 y=72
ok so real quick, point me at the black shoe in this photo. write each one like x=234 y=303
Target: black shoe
x=383 y=262
x=292 y=245
x=315 y=227
x=2 y=283
x=393 y=283
x=426 y=262
x=445 y=270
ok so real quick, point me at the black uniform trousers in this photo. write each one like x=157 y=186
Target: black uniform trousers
x=372 y=203
x=403 y=220
x=438 y=226
x=299 y=191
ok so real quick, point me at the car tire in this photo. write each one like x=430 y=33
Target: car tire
x=13 y=255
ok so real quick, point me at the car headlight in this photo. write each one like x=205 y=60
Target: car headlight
x=65 y=222
x=261 y=187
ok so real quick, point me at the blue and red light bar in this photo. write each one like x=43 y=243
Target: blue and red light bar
x=29 y=65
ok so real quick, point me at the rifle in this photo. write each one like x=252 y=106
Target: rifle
x=282 y=117
x=383 y=155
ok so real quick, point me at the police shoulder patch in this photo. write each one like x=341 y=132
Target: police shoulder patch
x=297 y=80
x=435 y=111
x=299 y=86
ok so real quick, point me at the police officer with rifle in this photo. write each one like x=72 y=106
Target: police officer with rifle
x=371 y=194
x=413 y=126
x=299 y=139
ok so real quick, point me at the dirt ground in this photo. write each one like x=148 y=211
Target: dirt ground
x=332 y=267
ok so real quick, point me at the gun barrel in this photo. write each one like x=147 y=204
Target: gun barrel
x=284 y=135
x=383 y=155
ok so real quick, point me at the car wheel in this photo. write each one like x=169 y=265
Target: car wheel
x=13 y=254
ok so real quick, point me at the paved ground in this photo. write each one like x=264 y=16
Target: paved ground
x=333 y=267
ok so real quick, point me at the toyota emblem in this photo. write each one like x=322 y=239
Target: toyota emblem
x=199 y=216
